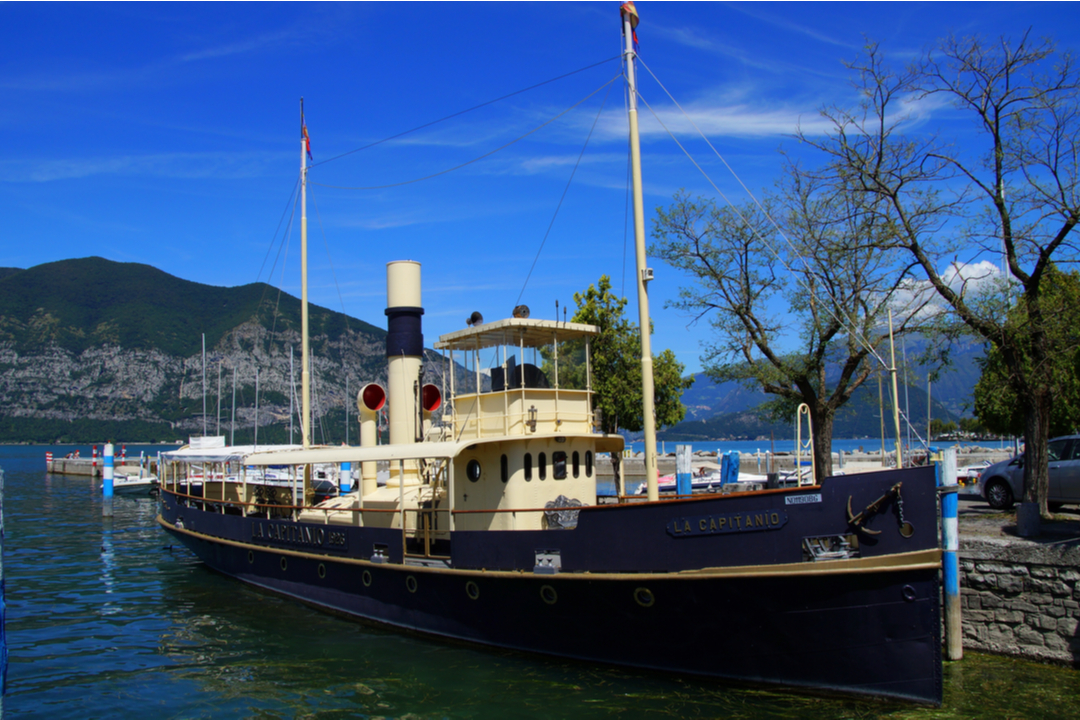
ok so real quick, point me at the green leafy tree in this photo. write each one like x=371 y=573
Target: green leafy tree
x=996 y=402
x=616 y=365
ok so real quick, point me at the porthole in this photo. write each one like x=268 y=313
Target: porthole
x=588 y=463
x=504 y=468
x=577 y=463
x=542 y=462
x=284 y=563
x=251 y=557
x=472 y=590
x=322 y=571
x=410 y=584
x=366 y=578
x=644 y=597
x=472 y=470
x=548 y=595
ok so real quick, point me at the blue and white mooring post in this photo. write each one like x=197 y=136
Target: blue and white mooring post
x=683 y=481
x=950 y=561
x=107 y=482
x=346 y=477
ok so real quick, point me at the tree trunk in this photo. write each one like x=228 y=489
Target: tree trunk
x=1036 y=458
x=822 y=436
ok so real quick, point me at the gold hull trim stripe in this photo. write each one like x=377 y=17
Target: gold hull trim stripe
x=917 y=560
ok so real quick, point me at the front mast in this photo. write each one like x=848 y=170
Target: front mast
x=305 y=359
x=630 y=21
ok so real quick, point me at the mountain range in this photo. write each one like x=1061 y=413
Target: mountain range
x=93 y=350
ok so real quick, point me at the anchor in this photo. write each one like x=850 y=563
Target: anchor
x=857 y=521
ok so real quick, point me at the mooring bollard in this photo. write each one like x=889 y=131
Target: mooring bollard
x=950 y=562
x=107 y=481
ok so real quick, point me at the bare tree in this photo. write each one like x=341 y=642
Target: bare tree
x=1015 y=195
x=796 y=312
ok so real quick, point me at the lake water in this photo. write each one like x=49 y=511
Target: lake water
x=108 y=619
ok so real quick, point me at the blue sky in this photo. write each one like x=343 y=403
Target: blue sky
x=167 y=134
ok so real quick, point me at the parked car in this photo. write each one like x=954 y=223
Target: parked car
x=1002 y=484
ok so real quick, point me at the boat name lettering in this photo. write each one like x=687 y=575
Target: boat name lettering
x=802 y=499
x=727 y=523
x=285 y=533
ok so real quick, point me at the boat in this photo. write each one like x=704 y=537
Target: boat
x=487 y=525
x=135 y=485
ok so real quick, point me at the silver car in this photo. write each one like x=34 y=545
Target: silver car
x=1002 y=483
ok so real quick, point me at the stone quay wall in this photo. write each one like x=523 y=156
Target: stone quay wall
x=1021 y=600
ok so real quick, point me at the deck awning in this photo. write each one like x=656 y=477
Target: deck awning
x=515 y=331
x=234 y=453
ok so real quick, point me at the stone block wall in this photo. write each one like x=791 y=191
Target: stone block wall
x=1021 y=599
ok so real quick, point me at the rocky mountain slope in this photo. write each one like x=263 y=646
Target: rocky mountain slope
x=115 y=350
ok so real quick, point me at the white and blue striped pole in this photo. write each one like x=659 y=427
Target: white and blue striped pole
x=346 y=477
x=683 y=481
x=950 y=561
x=107 y=482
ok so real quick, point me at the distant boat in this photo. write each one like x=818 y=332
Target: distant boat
x=489 y=528
x=133 y=485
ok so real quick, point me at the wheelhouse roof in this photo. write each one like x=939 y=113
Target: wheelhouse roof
x=515 y=331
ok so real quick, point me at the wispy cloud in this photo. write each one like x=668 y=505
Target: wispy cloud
x=164 y=165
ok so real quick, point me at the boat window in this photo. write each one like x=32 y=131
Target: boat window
x=558 y=465
x=528 y=467
x=472 y=470
x=577 y=463
x=588 y=463
x=505 y=468
x=543 y=466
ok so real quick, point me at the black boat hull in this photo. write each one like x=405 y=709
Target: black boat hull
x=867 y=625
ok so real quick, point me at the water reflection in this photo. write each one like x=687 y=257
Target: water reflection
x=112 y=620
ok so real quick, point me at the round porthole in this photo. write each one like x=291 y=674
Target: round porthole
x=410 y=584
x=472 y=470
x=644 y=597
x=909 y=593
x=472 y=590
x=548 y=595
x=322 y=571
x=366 y=578
x=284 y=564
x=251 y=557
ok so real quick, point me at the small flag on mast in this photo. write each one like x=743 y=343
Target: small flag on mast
x=629 y=9
x=303 y=131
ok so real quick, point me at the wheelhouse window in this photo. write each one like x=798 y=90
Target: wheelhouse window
x=472 y=470
x=543 y=466
x=558 y=465
x=588 y=463
x=528 y=467
x=577 y=463
x=504 y=467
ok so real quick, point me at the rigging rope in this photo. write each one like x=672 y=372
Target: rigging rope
x=841 y=319
x=463 y=112
x=569 y=181
x=476 y=159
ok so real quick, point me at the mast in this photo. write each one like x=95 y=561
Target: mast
x=895 y=396
x=305 y=359
x=644 y=274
